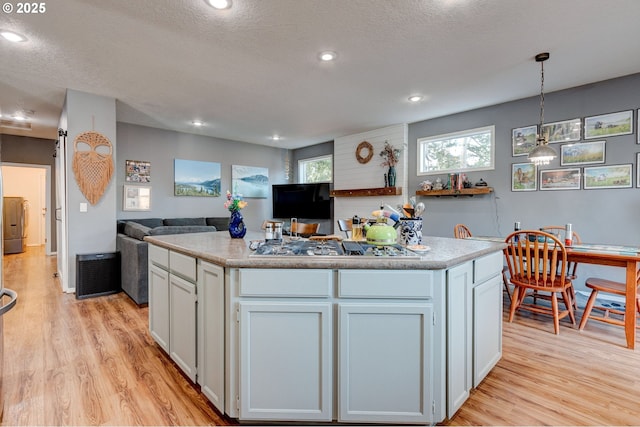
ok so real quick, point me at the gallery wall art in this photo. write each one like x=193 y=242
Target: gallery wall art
x=250 y=181
x=196 y=178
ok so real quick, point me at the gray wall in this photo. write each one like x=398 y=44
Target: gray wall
x=161 y=147
x=34 y=151
x=602 y=216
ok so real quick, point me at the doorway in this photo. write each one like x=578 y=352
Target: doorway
x=32 y=183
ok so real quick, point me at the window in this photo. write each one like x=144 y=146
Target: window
x=316 y=169
x=468 y=150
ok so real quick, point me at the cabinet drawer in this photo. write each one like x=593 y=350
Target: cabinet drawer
x=285 y=283
x=159 y=256
x=486 y=267
x=385 y=284
x=183 y=265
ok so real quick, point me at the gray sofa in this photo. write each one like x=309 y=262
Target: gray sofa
x=134 y=250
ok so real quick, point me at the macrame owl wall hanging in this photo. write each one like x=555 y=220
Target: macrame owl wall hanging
x=92 y=164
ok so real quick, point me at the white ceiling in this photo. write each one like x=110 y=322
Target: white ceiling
x=253 y=70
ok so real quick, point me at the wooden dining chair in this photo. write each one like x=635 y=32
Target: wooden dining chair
x=572 y=268
x=598 y=285
x=537 y=261
x=305 y=229
x=345 y=225
x=460 y=231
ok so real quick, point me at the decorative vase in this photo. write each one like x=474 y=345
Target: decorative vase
x=391 y=176
x=237 y=230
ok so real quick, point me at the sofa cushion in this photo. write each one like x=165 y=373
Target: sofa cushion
x=149 y=222
x=135 y=230
x=221 y=223
x=180 y=229
x=184 y=221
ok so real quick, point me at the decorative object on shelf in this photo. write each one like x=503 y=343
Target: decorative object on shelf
x=234 y=203
x=542 y=154
x=364 y=152
x=92 y=168
x=438 y=184
x=426 y=185
x=481 y=183
x=391 y=156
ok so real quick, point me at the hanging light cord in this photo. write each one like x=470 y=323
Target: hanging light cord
x=541 y=96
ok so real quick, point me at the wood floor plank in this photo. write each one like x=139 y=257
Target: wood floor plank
x=93 y=362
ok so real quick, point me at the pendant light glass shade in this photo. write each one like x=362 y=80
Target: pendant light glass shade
x=542 y=154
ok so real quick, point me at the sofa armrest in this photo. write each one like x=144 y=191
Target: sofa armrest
x=134 y=267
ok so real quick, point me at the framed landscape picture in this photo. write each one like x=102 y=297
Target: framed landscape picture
x=615 y=176
x=523 y=177
x=612 y=124
x=565 y=131
x=582 y=154
x=196 y=178
x=560 y=179
x=250 y=181
x=523 y=140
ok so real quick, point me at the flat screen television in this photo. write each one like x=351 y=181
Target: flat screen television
x=310 y=201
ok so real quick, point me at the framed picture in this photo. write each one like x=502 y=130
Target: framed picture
x=523 y=140
x=582 y=154
x=560 y=179
x=196 y=178
x=250 y=181
x=136 y=198
x=565 y=131
x=638 y=125
x=138 y=171
x=616 y=176
x=608 y=125
x=523 y=177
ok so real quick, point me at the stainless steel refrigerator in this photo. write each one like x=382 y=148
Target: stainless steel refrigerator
x=14 y=224
x=8 y=300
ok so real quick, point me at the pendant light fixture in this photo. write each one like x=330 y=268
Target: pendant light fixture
x=542 y=154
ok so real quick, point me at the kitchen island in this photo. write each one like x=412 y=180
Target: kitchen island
x=351 y=339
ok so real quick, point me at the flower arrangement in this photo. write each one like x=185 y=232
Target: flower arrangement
x=234 y=202
x=390 y=154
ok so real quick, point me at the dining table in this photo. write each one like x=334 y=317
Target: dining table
x=627 y=257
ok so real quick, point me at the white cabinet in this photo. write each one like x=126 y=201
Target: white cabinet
x=487 y=327
x=474 y=325
x=459 y=339
x=285 y=349
x=285 y=360
x=384 y=362
x=211 y=332
x=159 y=305
x=159 y=295
x=182 y=324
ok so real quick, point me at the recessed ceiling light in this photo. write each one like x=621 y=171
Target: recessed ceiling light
x=13 y=37
x=276 y=137
x=327 y=56
x=197 y=123
x=415 y=98
x=219 y=4
x=19 y=117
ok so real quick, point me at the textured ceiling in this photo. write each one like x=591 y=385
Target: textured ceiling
x=253 y=71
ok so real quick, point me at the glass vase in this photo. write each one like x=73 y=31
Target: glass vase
x=391 y=176
x=237 y=230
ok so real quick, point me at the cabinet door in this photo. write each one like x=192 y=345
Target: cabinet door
x=182 y=324
x=211 y=333
x=385 y=359
x=159 y=306
x=459 y=329
x=285 y=361
x=487 y=327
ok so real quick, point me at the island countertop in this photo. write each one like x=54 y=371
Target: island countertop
x=220 y=249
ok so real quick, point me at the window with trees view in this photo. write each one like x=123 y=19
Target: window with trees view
x=467 y=150
x=316 y=169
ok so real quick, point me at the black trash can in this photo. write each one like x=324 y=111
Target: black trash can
x=97 y=274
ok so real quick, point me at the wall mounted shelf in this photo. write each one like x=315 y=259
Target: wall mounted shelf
x=470 y=192
x=363 y=192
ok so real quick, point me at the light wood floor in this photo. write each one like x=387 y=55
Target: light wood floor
x=92 y=362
